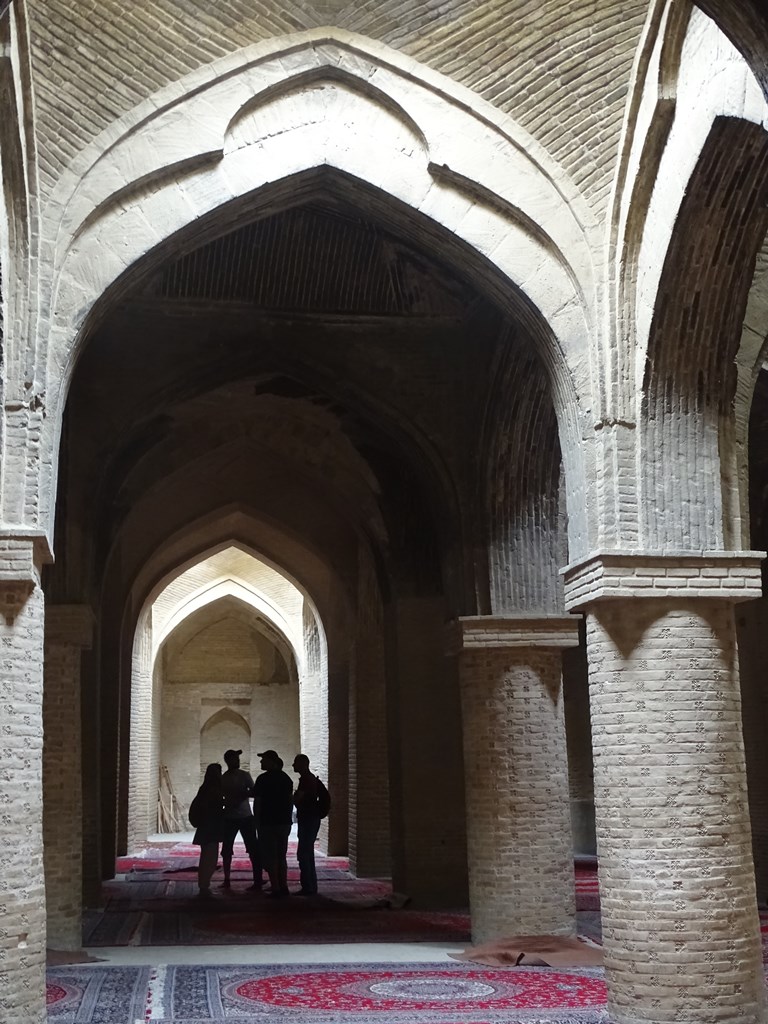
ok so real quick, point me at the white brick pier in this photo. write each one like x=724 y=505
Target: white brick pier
x=680 y=925
x=22 y=890
x=516 y=771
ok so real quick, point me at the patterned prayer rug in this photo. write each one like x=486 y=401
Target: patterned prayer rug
x=97 y=995
x=440 y=993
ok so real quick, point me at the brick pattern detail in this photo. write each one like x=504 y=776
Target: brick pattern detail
x=731 y=575
x=695 y=334
x=22 y=888
x=521 y=483
x=516 y=770
x=199 y=721
x=560 y=70
x=68 y=629
x=145 y=728
x=680 y=924
x=752 y=628
x=369 y=827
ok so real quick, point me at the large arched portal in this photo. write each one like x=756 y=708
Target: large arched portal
x=364 y=358
x=350 y=384
x=220 y=653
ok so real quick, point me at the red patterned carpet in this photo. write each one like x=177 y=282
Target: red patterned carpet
x=153 y=903
x=441 y=993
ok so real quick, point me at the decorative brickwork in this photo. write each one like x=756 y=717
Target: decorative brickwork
x=516 y=772
x=674 y=840
x=727 y=575
x=22 y=886
x=68 y=630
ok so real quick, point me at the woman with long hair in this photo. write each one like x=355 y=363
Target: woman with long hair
x=206 y=813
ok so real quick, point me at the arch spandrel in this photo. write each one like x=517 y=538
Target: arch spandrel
x=102 y=228
x=476 y=184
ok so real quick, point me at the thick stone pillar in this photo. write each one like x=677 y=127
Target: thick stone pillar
x=143 y=768
x=22 y=887
x=516 y=770
x=680 y=925
x=429 y=854
x=68 y=630
x=369 y=834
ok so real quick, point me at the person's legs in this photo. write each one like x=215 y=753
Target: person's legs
x=268 y=846
x=229 y=831
x=253 y=848
x=274 y=848
x=209 y=855
x=283 y=834
x=305 y=854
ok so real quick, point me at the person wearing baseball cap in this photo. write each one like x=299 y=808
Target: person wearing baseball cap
x=237 y=786
x=273 y=804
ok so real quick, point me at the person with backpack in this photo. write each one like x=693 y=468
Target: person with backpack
x=206 y=813
x=312 y=805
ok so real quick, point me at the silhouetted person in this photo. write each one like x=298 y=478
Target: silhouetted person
x=273 y=792
x=206 y=813
x=308 y=816
x=238 y=817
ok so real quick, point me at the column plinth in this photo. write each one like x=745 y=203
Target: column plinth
x=518 y=815
x=680 y=925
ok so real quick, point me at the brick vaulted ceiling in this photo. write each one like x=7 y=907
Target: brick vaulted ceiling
x=313 y=357
x=561 y=69
x=315 y=260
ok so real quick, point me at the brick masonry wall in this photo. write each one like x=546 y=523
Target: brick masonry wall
x=426 y=762
x=142 y=795
x=678 y=899
x=22 y=889
x=369 y=823
x=752 y=628
x=269 y=718
x=67 y=631
x=561 y=70
x=578 y=733
x=516 y=774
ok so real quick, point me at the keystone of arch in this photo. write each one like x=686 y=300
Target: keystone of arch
x=321 y=99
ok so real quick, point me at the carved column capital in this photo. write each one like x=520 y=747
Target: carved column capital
x=22 y=553
x=502 y=632
x=724 y=575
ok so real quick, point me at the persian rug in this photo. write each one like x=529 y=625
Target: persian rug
x=97 y=995
x=587 y=887
x=440 y=993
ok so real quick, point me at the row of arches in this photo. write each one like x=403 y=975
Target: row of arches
x=358 y=324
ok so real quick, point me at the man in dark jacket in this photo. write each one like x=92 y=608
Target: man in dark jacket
x=273 y=806
x=308 y=816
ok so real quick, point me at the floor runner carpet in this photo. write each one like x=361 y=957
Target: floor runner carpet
x=439 y=993
x=289 y=921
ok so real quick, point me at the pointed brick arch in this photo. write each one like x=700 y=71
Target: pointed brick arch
x=461 y=173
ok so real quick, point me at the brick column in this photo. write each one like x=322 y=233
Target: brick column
x=22 y=889
x=680 y=925
x=143 y=768
x=518 y=810
x=68 y=630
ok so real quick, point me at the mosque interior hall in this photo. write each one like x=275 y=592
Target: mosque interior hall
x=386 y=382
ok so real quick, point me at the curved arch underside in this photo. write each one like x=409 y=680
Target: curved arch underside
x=691 y=374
